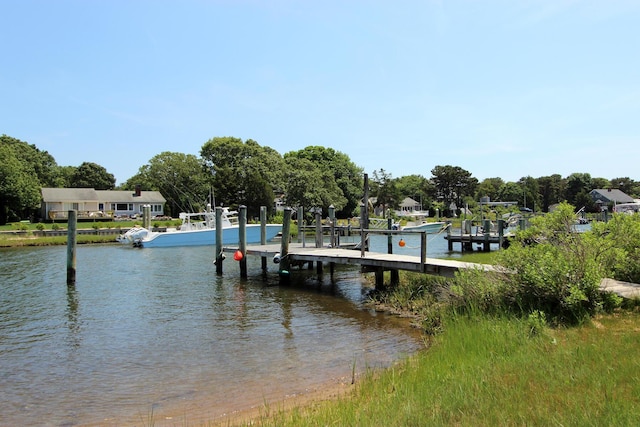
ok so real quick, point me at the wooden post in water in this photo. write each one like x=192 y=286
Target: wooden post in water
x=318 y=220
x=301 y=225
x=486 y=247
x=332 y=226
x=394 y=274
x=501 y=232
x=423 y=249
x=263 y=233
x=364 y=213
x=242 y=247
x=283 y=271
x=219 y=254
x=318 y=212
x=71 y=247
x=146 y=217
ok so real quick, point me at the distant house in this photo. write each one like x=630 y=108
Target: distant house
x=409 y=207
x=98 y=204
x=609 y=196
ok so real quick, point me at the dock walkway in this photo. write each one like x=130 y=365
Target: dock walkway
x=299 y=255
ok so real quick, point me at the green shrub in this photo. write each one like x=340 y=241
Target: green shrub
x=40 y=226
x=555 y=270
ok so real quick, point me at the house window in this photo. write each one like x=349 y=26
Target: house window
x=101 y=206
x=121 y=206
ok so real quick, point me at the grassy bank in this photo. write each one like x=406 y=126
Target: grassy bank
x=8 y=241
x=493 y=371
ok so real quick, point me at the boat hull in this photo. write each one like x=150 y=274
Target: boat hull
x=429 y=227
x=230 y=236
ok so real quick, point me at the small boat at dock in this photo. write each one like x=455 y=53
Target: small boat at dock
x=429 y=227
x=198 y=229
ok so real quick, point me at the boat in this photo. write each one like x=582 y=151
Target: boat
x=627 y=208
x=198 y=229
x=429 y=227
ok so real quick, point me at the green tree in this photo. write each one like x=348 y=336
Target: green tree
x=490 y=187
x=383 y=188
x=577 y=183
x=347 y=176
x=19 y=187
x=179 y=177
x=626 y=185
x=311 y=186
x=41 y=164
x=530 y=193
x=453 y=184
x=243 y=172
x=551 y=189
x=92 y=175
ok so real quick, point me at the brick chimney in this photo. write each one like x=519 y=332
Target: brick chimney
x=138 y=191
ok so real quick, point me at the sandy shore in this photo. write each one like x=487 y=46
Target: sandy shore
x=245 y=412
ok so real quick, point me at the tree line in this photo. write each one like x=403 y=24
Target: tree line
x=232 y=172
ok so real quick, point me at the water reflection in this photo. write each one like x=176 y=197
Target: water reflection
x=159 y=329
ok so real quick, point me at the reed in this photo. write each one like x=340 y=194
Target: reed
x=491 y=371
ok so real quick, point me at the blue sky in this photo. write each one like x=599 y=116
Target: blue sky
x=500 y=88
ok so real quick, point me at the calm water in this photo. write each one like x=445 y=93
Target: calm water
x=156 y=330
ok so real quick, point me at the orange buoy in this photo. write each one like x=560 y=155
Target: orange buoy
x=238 y=255
x=401 y=243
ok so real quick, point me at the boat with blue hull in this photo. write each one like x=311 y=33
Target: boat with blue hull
x=199 y=229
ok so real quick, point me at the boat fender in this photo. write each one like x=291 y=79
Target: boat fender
x=276 y=258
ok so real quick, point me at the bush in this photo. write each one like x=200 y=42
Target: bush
x=39 y=226
x=555 y=270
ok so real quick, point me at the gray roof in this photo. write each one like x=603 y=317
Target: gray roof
x=91 y=195
x=129 y=196
x=610 y=195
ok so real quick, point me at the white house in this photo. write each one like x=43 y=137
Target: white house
x=94 y=204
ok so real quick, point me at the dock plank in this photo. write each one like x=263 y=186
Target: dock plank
x=298 y=253
x=437 y=266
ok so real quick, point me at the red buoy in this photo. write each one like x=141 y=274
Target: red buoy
x=401 y=243
x=238 y=255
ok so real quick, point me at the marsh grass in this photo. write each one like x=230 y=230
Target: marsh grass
x=488 y=371
x=30 y=240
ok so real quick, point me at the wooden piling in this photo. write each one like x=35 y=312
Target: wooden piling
x=364 y=216
x=318 y=220
x=72 y=232
x=242 y=239
x=146 y=217
x=332 y=226
x=501 y=232
x=394 y=274
x=263 y=233
x=284 y=247
x=486 y=246
x=219 y=254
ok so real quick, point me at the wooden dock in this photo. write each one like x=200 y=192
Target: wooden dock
x=620 y=288
x=287 y=255
x=299 y=255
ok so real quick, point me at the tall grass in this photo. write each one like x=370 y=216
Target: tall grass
x=488 y=371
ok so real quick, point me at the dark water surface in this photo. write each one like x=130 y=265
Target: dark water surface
x=155 y=331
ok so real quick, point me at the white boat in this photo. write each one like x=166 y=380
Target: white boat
x=628 y=208
x=429 y=227
x=198 y=229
